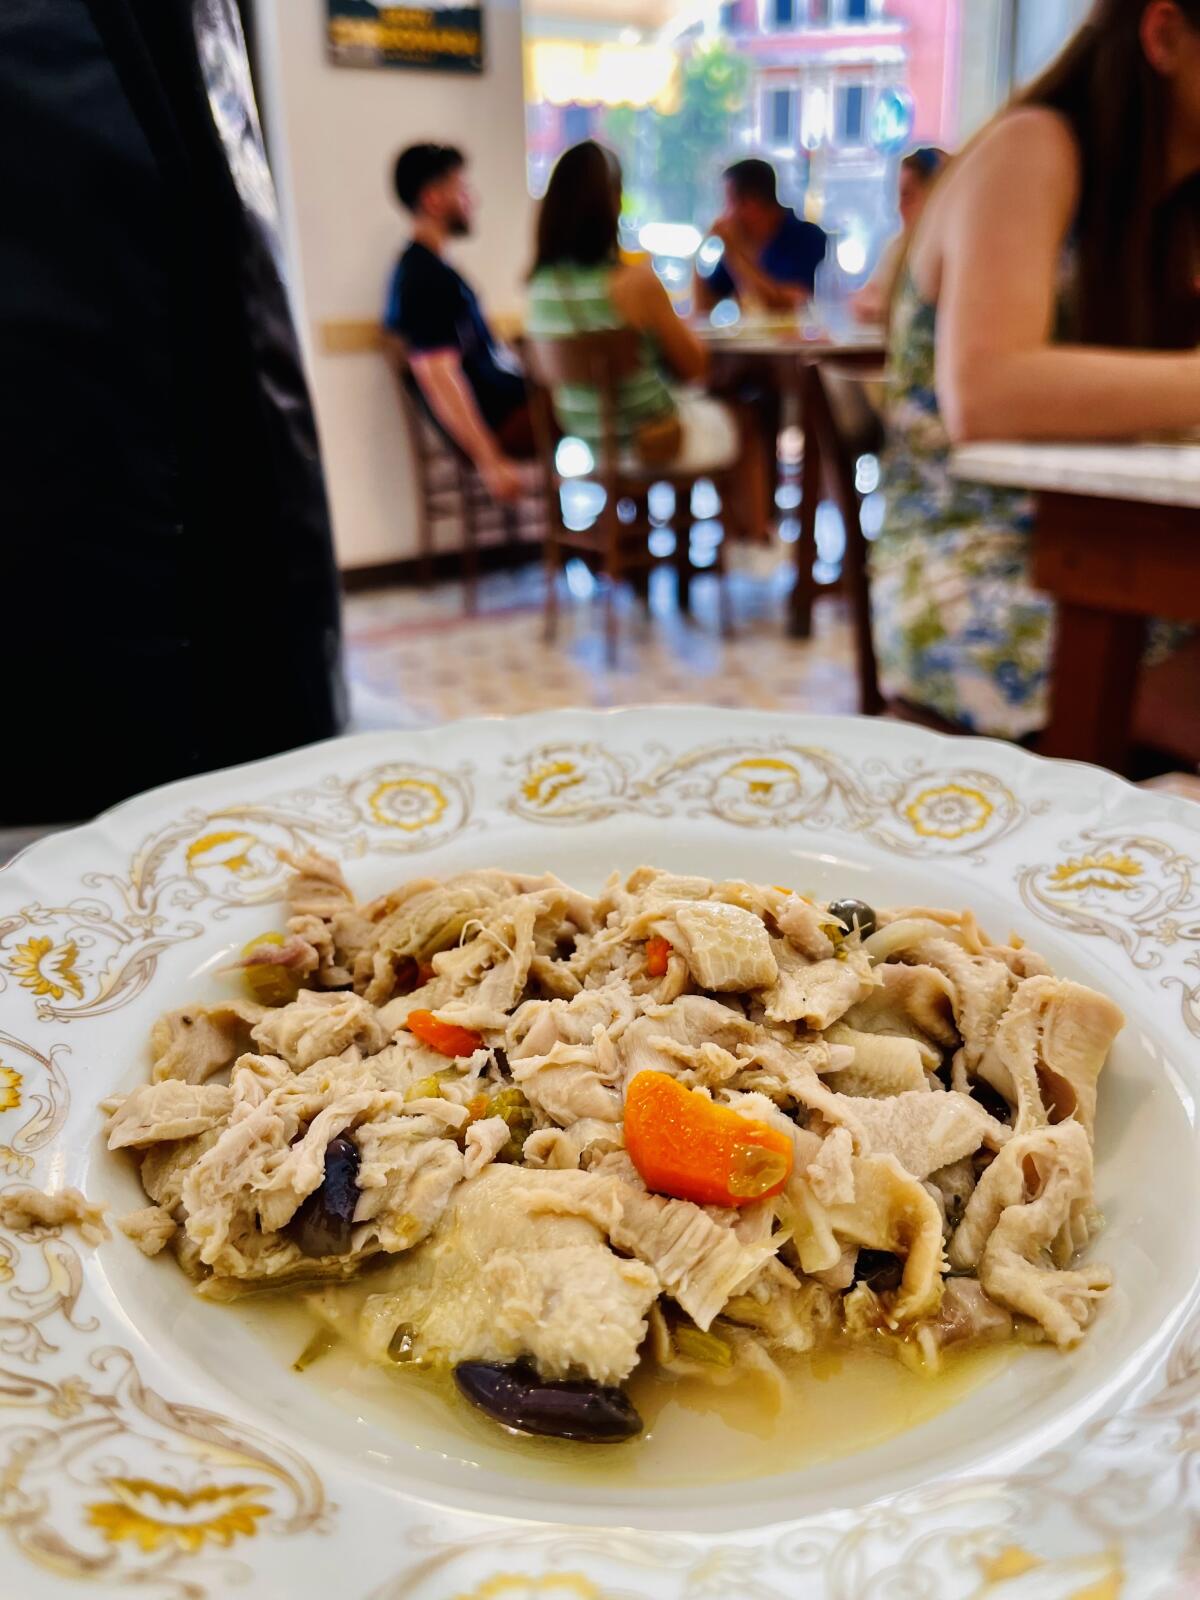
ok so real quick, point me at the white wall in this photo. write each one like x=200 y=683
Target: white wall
x=333 y=132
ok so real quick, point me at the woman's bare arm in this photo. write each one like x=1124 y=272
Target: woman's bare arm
x=1000 y=232
x=645 y=304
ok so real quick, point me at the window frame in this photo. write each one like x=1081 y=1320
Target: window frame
x=768 y=19
x=841 y=99
x=767 y=116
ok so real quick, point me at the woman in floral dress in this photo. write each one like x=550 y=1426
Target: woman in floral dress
x=1050 y=293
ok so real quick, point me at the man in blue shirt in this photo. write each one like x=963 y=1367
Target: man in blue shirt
x=771 y=255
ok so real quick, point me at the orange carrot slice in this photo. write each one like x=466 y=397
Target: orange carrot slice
x=685 y=1145
x=445 y=1037
x=657 y=953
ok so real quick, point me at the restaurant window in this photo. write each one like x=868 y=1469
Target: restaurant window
x=577 y=124
x=782 y=117
x=682 y=88
x=851 y=114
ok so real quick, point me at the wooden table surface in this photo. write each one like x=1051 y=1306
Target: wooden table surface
x=1116 y=543
x=790 y=343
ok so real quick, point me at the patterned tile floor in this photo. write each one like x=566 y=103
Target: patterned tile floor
x=412 y=657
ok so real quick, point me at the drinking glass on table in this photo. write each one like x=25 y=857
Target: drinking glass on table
x=829 y=308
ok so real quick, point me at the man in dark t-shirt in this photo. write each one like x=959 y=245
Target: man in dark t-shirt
x=770 y=254
x=466 y=378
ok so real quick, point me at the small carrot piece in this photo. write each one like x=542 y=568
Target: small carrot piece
x=657 y=953
x=445 y=1037
x=685 y=1145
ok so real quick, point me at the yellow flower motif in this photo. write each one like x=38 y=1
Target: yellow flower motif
x=32 y=967
x=408 y=803
x=152 y=1515
x=12 y=1161
x=949 y=812
x=10 y=1089
x=762 y=775
x=554 y=1586
x=1107 y=871
x=543 y=787
x=6 y=1269
x=73 y=1395
x=230 y=849
x=1091 y=1577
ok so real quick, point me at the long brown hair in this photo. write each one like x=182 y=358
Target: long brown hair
x=581 y=212
x=1137 y=247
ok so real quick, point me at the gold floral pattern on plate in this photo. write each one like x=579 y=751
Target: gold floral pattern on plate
x=100 y=949
x=153 y=1515
x=949 y=811
x=767 y=784
x=71 y=1499
x=47 y=968
x=72 y=1504
x=1142 y=893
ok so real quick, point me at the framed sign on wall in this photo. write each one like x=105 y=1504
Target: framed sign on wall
x=440 y=35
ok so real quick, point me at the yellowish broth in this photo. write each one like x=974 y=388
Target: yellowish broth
x=839 y=1401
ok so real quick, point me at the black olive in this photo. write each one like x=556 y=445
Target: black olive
x=854 y=915
x=323 y=1224
x=514 y=1395
x=992 y=1101
x=879 y=1270
x=406 y=971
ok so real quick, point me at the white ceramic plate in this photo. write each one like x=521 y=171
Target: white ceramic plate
x=154 y=1444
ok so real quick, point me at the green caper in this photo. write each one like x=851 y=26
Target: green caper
x=512 y=1105
x=856 y=916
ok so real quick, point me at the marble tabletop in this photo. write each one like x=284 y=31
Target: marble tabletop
x=1165 y=474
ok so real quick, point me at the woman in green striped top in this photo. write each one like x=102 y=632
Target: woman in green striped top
x=579 y=284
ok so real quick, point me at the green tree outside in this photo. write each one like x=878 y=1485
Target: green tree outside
x=672 y=160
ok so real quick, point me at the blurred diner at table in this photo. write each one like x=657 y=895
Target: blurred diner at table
x=472 y=386
x=580 y=285
x=919 y=171
x=769 y=255
x=1049 y=292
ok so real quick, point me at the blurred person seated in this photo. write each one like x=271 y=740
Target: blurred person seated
x=770 y=255
x=1050 y=292
x=919 y=172
x=469 y=382
x=579 y=284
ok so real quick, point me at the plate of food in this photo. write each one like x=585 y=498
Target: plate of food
x=664 y=1155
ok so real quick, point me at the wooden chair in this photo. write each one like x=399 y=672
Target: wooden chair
x=620 y=550
x=448 y=484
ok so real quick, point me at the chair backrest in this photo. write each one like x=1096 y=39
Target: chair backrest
x=427 y=441
x=598 y=359
x=601 y=358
